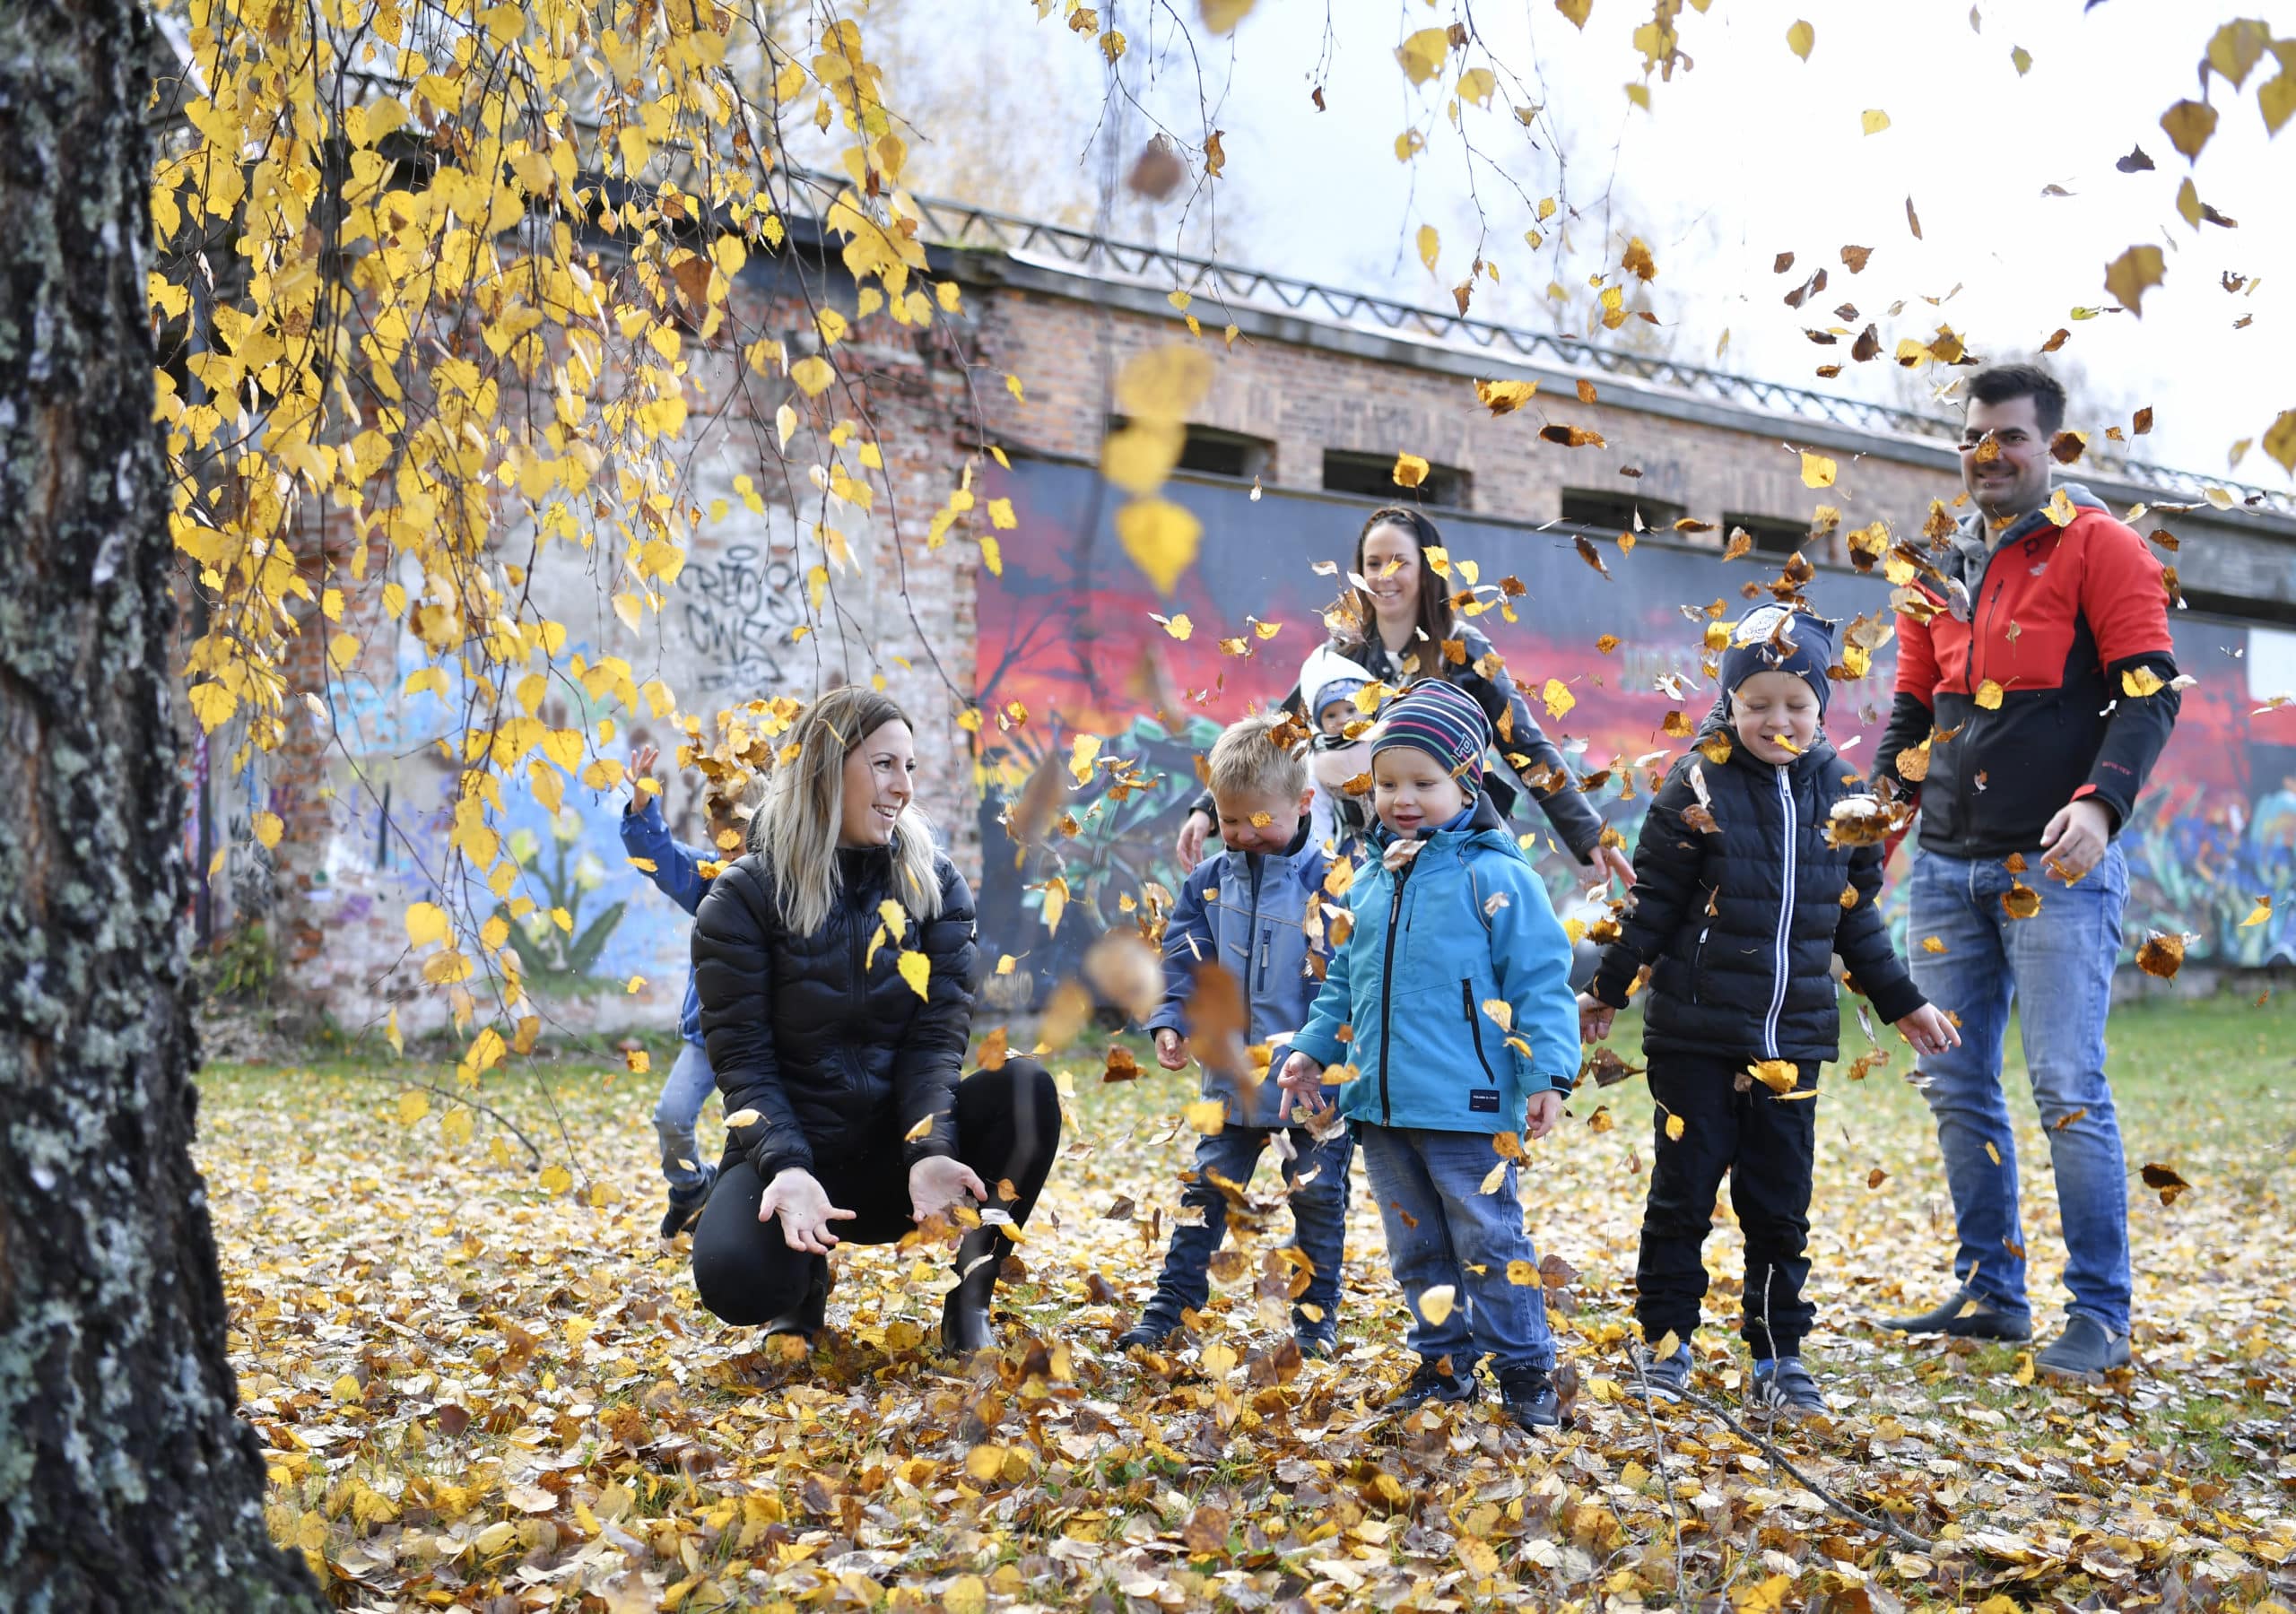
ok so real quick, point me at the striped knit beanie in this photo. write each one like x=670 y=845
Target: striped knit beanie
x=1444 y=721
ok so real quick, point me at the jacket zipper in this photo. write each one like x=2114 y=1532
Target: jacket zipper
x=1981 y=612
x=1785 y=916
x=1474 y=1030
x=1251 y=927
x=1697 y=958
x=1386 y=992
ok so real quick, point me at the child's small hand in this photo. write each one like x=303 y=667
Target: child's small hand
x=1171 y=1048
x=1929 y=1030
x=1545 y=1111
x=1595 y=1017
x=641 y=768
x=1302 y=1081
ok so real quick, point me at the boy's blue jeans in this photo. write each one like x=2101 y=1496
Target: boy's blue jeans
x=2057 y=967
x=1440 y=1229
x=1318 y=1219
x=684 y=1090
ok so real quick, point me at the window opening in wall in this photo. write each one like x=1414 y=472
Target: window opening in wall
x=1772 y=534
x=1613 y=512
x=1213 y=452
x=1373 y=476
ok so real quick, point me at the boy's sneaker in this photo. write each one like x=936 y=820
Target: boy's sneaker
x=1152 y=1331
x=1528 y=1395
x=1317 y=1341
x=686 y=1205
x=2086 y=1350
x=1432 y=1382
x=1785 y=1387
x=1666 y=1378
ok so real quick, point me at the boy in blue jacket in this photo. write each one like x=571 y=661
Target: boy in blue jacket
x=1455 y=982
x=676 y=871
x=1246 y=911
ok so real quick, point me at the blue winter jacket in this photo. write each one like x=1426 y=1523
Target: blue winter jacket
x=1431 y=946
x=1247 y=911
x=677 y=873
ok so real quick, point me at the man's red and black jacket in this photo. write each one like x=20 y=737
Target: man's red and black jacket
x=2054 y=616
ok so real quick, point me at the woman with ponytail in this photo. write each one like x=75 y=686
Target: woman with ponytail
x=845 y=1116
x=1396 y=632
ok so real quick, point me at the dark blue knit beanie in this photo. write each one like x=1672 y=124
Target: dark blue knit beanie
x=1444 y=721
x=1778 y=638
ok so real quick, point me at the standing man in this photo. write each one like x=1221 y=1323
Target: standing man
x=2033 y=694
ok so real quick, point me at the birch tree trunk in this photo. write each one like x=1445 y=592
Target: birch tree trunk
x=125 y=1480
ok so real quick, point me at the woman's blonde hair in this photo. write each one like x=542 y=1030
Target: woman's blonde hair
x=796 y=832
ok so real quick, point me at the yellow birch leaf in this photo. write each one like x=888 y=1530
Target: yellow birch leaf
x=268 y=827
x=1874 y=120
x=2262 y=914
x=556 y=1179
x=812 y=375
x=413 y=1105
x=1430 y=244
x=1206 y=1116
x=1435 y=1304
x=1162 y=538
x=1989 y=695
x=917 y=969
x=1674 y=1129
x=1800 y=37
x=1817 y=470
x=426 y=922
x=1410 y=471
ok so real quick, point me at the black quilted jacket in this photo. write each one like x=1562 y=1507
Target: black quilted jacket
x=1740 y=923
x=836 y=1055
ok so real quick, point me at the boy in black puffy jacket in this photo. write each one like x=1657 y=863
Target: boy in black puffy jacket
x=1744 y=889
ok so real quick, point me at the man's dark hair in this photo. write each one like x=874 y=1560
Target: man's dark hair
x=1999 y=383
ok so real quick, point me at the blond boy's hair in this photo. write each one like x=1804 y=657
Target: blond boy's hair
x=1259 y=755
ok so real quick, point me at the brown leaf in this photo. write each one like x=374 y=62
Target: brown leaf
x=1572 y=436
x=2135 y=162
x=2161 y=955
x=1591 y=556
x=2165 y=1180
x=1855 y=257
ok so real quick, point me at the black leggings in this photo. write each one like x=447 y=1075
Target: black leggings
x=1008 y=1130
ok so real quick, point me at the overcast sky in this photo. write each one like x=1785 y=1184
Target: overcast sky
x=1751 y=152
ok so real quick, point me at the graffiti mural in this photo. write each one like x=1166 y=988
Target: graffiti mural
x=1067 y=648
x=738 y=612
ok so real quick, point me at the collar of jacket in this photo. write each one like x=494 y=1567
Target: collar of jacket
x=1970 y=546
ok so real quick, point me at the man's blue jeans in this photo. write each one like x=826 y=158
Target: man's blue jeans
x=1444 y=1232
x=2057 y=967
x=684 y=1090
x=1318 y=1219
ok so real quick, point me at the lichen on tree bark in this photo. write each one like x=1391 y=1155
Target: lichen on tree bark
x=126 y=1478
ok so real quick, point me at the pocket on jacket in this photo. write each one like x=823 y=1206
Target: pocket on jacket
x=1475 y=1018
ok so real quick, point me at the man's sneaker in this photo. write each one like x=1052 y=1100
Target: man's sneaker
x=1152 y=1331
x=1432 y=1382
x=2086 y=1350
x=1966 y=1316
x=1317 y=1341
x=1785 y=1387
x=686 y=1205
x=1664 y=1377
x=1529 y=1397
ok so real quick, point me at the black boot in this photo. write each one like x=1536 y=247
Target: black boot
x=807 y=1317
x=964 y=1313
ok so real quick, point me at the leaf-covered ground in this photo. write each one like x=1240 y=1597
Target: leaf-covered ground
x=479 y=1393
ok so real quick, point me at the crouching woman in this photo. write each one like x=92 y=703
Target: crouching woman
x=845 y=1119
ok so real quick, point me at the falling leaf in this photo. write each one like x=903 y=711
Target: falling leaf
x=2165 y=1180
x=2189 y=123
x=1162 y=538
x=1504 y=397
x=1573 y=436
x=1410 y=471
x=1674 y=1128
x=2021 y=901
x=1591 y=556
x=917 y=969
x=1779 y=1075
x=2133 y=273
x=1989 y=695
x=1800 y=37
x=2161 y=955
x=2137 y=682
x=1874 y=120
x=1817 y=470
x=2262 y=914
x=1576 y=10
x=1435 y=1304
x=1221 y=16
x=2022 y=59
x=1205 y=1115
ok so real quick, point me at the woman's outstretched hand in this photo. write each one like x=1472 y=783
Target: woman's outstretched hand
x=803 y=1205
x=937 y=1181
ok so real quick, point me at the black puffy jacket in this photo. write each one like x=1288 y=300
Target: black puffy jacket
x=837 y=1054
x=1740 y=923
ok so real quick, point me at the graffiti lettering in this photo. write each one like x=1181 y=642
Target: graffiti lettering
x=740 y=624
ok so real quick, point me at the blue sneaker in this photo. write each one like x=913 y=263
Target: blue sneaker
x=1665 y=1378
x=1785 y=1388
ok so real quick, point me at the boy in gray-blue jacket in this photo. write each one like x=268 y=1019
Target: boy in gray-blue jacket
x=1455 y=980
x=1246 y=911
x=676 y=871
